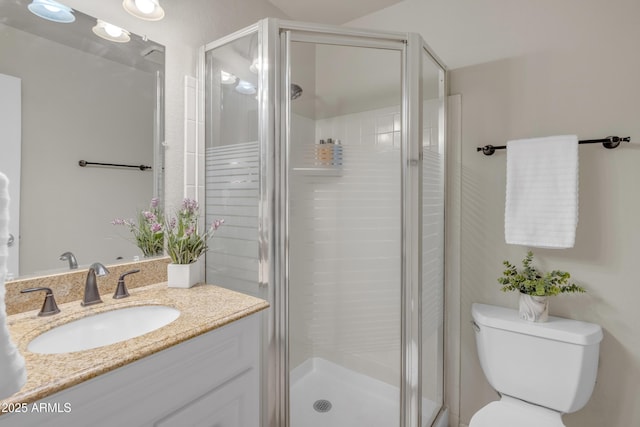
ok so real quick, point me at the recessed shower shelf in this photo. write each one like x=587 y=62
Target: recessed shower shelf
x=322 y=159
x=319 y=171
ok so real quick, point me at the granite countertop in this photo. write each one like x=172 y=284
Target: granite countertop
x=202 y=309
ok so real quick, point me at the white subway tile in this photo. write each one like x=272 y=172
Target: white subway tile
x=190 y=136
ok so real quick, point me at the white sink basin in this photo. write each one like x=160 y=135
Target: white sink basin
x=103 y=329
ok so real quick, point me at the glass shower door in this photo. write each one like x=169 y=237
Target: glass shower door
x=432 y=286
x=232 y=164
x=344 y=232
x=325 y=156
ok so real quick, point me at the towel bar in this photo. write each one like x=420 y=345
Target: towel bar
x=609 y=142
x=84 y=163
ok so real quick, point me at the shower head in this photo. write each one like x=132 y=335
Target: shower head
x=296 y=91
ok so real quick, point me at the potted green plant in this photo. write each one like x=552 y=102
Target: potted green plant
x=186 y=244
x=535 y=287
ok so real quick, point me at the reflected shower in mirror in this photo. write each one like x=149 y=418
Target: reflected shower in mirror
x=67 y=95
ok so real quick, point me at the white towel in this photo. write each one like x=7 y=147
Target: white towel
x=12 y=371
x=541 y=206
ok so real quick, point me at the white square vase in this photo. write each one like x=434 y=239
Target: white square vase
x=184 y=275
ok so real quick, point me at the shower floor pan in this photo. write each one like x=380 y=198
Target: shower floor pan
x=324 y=394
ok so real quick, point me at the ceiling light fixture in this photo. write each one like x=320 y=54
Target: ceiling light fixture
x=149 y=10
x=52 y=11
x=227 y=78
x=245 y=88
x=111 y=32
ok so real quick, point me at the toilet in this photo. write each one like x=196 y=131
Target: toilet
x=540 y=370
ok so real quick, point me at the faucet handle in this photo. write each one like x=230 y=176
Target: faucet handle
x=49 y=306
x=121 y=290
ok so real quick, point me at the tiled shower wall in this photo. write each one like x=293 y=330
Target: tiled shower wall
x=378 y=127
x=193 y=151
x=193 y=148
x=345 y=235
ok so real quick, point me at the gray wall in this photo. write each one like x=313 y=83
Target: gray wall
x=549 y=94
x=529 y=69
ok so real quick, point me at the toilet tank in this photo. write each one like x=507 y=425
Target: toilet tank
x=552 y=364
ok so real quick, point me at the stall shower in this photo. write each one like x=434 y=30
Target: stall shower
x=325 y=155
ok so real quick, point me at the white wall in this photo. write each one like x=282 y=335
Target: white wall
x=572 y=67
x=467 y=32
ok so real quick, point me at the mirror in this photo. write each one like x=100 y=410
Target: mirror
x=67 y=95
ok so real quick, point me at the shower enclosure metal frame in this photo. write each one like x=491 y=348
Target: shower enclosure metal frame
x=273 y=228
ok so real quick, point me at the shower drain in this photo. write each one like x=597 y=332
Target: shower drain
x=322 y=405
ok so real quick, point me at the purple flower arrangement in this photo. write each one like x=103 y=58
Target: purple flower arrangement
x=181 y=234
x=185 y=243
x=149 y=229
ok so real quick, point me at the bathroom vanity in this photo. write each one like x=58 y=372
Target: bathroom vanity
x=201 y=369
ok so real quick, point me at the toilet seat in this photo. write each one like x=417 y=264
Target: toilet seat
x=510 y=412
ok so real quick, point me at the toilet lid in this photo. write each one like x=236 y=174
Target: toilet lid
x=510 y=414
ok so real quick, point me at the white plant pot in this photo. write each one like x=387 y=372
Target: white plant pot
x=184 y=275
x=534 y=308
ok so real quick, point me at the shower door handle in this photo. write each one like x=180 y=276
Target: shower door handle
x=11 y=240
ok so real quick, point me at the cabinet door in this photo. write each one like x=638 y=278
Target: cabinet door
x=232 y=404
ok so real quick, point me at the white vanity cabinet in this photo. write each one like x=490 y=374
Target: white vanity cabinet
x=210 y=380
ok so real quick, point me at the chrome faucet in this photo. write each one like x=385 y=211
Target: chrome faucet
x=91 y=293
x=69 y=256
